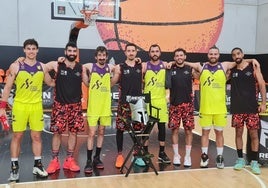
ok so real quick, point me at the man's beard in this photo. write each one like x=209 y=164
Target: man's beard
x=238 y=60
x=155 y=58
x=71 y=57
x=101 y=61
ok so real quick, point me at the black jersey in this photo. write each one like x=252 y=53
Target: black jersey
x=243 y=91
x=68 y=84
x=180 y=85
x=130 y=83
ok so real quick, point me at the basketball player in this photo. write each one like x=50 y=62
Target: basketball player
x=154 y=82
x=128 y=72
x=244 y=106
x=213 y=111
x=67 y=107
x=99 y=104
x=28 y=77
x=181 y=105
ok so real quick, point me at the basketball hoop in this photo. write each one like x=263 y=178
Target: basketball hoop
x=90 y=16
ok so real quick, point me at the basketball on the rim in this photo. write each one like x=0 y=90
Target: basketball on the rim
x=191 y=24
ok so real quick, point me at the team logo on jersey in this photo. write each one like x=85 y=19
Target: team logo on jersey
x=78 y=74
x=173 y=73
x=208 y=82
x=186 y=72
x=138 y=70
x=38 y=67
x=152 y=82
x=96 y=85
x=248 y=73
x=26 y=84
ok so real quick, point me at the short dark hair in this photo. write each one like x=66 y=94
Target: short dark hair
x=70 y=44
x=214 y=47
x=236 y=48
x=180 y=50
x=101 y=49
x=30 y=42
x=153 y=46
x=131 y=44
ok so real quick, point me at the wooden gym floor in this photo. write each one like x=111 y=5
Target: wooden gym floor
x=169 y=175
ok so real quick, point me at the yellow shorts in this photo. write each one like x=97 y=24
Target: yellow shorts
x=102 y=120
x=163 y=112
x=215 y=120
x=22 y=114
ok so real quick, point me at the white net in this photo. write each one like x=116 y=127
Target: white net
x=90 y=16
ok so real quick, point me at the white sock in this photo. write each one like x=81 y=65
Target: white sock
x=188 y=150
x=219 y=150
x=175 y=149
x=204 y=150
x=37 y=157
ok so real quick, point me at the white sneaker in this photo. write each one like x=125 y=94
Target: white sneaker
x=187 y=161
x=177 y=160
x=40 y=171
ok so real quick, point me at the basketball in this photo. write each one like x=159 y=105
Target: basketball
x=191 y=24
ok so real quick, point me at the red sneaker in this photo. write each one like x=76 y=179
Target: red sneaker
x=53 y=166
x=119 y=161
x=70 y=164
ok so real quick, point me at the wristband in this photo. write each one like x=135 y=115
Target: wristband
x=3 y=104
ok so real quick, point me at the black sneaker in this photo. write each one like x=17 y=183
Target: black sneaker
x=98 y=163
x=88 y=168
x=14 y=173
x=163 y=158
x=204 y=161
x=220 y=162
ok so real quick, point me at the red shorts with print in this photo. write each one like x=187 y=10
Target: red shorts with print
x=182 y=112
x=67 y=115
x=124 y=114
x=252 y=121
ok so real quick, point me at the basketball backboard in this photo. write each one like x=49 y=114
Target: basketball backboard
x=71 y=9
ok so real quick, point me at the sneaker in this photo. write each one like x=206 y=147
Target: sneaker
x=177 y=160
x=140 y=162
x=119 y=161
x=98 y=163
x=204 y=161
x=70 y=164
x=187 y=161
x=39 y=170
x=239 y=164
x=14 y=173
x=255 y=168
x=163 y=158
x=220 y=162
x=88 y=168
x=53 y=166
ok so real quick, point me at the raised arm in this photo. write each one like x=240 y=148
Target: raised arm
x=195 y=65
x=47 y=78
x=262 y=88
x=85 y=73
x=116 y=75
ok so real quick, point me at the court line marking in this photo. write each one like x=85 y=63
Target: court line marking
x=138 y=174
x=257 y=178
